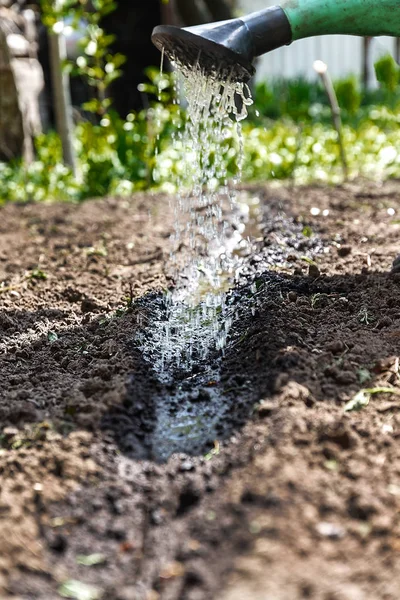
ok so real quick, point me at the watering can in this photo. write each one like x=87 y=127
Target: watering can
x=229 y=47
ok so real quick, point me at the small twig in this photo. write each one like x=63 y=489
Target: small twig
x=10 y=288
x=296 y=154
x=322 y=70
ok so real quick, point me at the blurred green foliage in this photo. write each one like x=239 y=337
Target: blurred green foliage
x=311 y=154
x=348 y=94
x=387 y=72
x=95 y=63
x=288 y=135
x=303 y=100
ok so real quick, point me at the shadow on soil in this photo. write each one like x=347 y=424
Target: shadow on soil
x=275 y=336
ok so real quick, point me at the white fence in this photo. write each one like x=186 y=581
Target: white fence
x=342 y=53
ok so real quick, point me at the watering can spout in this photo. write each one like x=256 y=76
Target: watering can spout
x=228 y=48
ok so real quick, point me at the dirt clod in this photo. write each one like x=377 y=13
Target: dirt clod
x=313 y=271
x=344 y=251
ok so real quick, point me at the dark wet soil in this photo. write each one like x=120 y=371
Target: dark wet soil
x=243 y=479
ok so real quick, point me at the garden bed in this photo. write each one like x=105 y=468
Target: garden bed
x=295 y=497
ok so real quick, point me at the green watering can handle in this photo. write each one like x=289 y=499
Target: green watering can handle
x=354 y=17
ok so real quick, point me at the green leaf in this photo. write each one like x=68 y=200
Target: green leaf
x=90 y=560
x=100 y=250
x=92 y=105
x=307 y=231
x=309 y=261
x=79 y=591
x=38 y=274
x=358 y=402
x=52 y=336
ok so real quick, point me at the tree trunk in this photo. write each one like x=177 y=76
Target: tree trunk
x=62 y=99
x=397 y=51
x=21 y=83
x=11 y=123
x=365 y=68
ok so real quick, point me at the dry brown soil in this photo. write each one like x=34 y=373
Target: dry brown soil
x=296 y=498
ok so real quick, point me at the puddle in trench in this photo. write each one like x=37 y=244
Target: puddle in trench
x=190 y=418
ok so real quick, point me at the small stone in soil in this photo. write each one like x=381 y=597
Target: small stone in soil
x=187 y=465
x=346 y=377
x=58 y=543
x=384 y=322
x=336 y=347
x=344 y=251
x=329 y=530
x=313 y=271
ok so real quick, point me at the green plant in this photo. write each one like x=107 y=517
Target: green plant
x=295 y=98
x=365 y=317
x=266 y=101
x=97 y=64
x=348 y=94
x=37 y=274
x=387 y=72
x=159 y=87
x=119 y=156
x=305 y=101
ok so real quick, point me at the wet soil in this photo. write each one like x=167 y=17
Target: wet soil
x=243 y=479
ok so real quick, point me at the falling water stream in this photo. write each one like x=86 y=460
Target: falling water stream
x=194 y=320
x=189 y=327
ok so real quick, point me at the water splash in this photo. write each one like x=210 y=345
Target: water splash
x=195 y=320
